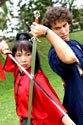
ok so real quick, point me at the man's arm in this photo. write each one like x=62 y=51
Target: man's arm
x=64 y=52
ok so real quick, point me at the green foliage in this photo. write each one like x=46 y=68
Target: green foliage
x=81 y=18
x=3 y=17
x=81 y=25
x=77 y=22
x=2 y=2
x=26 y=12
x=67 y=3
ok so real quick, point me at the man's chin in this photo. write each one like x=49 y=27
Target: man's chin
x=66 y=40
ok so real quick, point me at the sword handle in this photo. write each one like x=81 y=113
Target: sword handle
x=37 y=20
x=37 y=15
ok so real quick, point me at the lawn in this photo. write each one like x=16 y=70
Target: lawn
x=7 y=104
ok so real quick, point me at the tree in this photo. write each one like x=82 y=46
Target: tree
x=70 y=4
x=26 y=12
x=3 y=17
x=2 y=2
x=80 y=16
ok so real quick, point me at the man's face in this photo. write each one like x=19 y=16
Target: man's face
x=61 y=28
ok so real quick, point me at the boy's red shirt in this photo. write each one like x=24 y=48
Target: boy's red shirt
x=43 y=110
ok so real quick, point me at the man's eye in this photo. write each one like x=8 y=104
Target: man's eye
x=64 y=25
x=57 y=28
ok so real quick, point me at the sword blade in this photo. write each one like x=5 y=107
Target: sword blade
x=31 y=82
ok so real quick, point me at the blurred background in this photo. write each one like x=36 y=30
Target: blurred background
x=18 y=15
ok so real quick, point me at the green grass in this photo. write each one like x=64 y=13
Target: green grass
x=78 y=36
x=7 y=104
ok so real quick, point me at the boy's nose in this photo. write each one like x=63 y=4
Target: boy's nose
x=23 y=58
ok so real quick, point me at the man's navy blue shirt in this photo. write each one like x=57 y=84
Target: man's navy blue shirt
x=73 y=98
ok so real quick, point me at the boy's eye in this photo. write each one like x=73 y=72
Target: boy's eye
x=28 y=54
x=18 y=55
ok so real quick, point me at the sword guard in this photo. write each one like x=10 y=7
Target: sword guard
x=33 y=39
x=36 y=14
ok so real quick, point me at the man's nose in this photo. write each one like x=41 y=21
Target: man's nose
x=63 y=30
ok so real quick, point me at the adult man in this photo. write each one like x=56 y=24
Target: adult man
x=65 y=58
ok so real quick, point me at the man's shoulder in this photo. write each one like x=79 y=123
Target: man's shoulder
x=74 y=41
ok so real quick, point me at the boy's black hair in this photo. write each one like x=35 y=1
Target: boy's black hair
x=23 y=42
x=23 y=36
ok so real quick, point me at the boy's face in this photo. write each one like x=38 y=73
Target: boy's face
x=24 y=58
x=61 y=28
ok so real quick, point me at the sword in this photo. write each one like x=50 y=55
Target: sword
x=34 y=39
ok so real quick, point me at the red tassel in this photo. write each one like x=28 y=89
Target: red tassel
x=2 y=75
x=37 y=20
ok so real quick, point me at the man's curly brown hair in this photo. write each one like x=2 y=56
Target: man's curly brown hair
x=56 y=13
